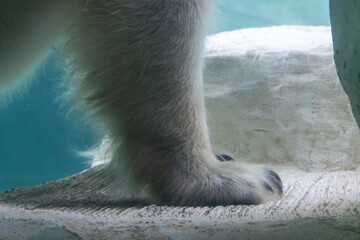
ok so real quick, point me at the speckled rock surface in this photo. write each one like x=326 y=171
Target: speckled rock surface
x=273 y=95
x=317 y=205
x=345 y=22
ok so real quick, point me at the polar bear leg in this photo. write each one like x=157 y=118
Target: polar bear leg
x=136 y=65
x=140 y=68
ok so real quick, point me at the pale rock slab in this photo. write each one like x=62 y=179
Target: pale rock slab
x=273 y=95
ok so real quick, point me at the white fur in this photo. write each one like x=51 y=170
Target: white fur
x=136 y=66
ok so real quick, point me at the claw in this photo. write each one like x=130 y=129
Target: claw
x=275 y=179
x=224 y=158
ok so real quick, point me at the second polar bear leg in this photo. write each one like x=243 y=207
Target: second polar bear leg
x=139 y=69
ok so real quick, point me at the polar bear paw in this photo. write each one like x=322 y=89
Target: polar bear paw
x=229 y=183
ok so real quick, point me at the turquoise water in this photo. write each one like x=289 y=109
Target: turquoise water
x=237 y=14
x=38 y=143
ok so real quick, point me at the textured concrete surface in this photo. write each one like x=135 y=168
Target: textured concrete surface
x=317 y=205
x=273 y=95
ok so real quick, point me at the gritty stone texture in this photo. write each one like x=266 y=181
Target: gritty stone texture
x=317 y=205
x=345 y=22
x=273 y=95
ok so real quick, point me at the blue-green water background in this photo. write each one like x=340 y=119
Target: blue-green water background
x=38 y=143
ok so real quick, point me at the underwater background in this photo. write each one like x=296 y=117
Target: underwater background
x=39 y=141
